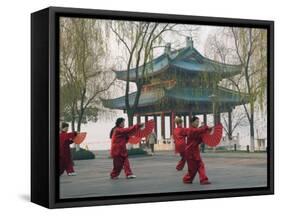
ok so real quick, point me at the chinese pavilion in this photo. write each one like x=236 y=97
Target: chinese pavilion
x=181 y=83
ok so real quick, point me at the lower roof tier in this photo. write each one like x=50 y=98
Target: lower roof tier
x=178 y=99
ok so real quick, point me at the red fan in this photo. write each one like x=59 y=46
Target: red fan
x=79 y=138
x=213 y=138
x=148 y=127
x=134 y=140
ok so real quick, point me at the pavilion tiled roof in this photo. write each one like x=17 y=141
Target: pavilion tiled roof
x=187 y=60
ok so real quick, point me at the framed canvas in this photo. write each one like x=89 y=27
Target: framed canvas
x=131 y=107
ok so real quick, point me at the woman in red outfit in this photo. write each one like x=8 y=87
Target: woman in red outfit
x=119 y=138
x=66 y=139
x=179 y=136
x=192 y=153
x=180 y=133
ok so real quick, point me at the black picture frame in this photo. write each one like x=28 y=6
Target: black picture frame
x=45 y=100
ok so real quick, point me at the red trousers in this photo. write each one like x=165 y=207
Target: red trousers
x=182 y=161
x=66 y=163
x=195 y=166
x=120 y=162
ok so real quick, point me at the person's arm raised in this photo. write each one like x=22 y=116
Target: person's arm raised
x=196 y=131
x=71 y=135
x=129 y=130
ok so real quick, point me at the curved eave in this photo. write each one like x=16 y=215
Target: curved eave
x=159 y=64
x=227 y=70
x=220 y=64
x=203 y=63
x=192 y=68
x=203 y=95
x=109 y=103
x=146 y=99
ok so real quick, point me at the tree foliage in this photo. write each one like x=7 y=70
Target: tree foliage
x=84 y=75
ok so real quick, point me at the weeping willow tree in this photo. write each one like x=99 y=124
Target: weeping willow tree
x=84 y=76
x=250 y=48
x=247 y=47
x=138 y=39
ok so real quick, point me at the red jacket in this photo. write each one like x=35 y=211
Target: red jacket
x=181 y=133
x=65 y=140
x=194 y=139
x=179 y=137
x=120 y=138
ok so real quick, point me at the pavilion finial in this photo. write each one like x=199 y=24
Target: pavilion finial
x=189 y=42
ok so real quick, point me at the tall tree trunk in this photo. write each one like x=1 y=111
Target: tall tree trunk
x=79 y=122
x=73 y=124
x=130 y=115
x=229 y=126
x=252 y=130
x=82 y=109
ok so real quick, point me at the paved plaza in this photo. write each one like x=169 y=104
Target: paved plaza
x=157 y=173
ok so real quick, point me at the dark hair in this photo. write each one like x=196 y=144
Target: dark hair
x=64 y=125
x=117 y=123
x=194 y=118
